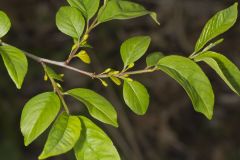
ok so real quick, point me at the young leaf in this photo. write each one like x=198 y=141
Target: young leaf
x=94 y=143
x=62 y=137
x=83 y=55
x=134 y=48
x=228 y=71
x=217 y=25
x=5 y=24
x=193 y=80
x=136 y=97
x=152 y=59
x=38 y=113
x=87 y=7
x=70 y=21
x=52 y=74
x=97 y=105
x=122 y=9
x=16 y=64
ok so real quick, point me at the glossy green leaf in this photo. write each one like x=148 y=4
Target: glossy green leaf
x=52 y=74
x=5 y=24
x=122 y=9
x=217 y=25
x=16 y=64
x=152 y=59
x=134 y=48
x=193 y=80
x=87 y=7
x=228 y=71
x=37 y=115
x=98 y=106
x=63 y=136
x=94 y=144
x=70 y=21
x=136 y=97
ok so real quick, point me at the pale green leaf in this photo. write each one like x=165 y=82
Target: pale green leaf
x=94 y=144
x=218 y=24
x=134 y=48
x=228 y=71
x=5 y=24
x=37 y=115
x=153 y=58
x=70 y=21
x=63 y=136
x=136 y=97
x=87 y=7
x=98 y=106
x=52 y=74
x=16 y=64
x=122 y=9
x=193 y=80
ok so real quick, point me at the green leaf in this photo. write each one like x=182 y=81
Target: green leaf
x=70 y=21
x=5 y=24
x=62 y=137
x=134 y=48
x=121 y=9
x=153 y=58
x=97 y=105
x=94 y=144
x=52 y=74
x=16 y=64
x=228 y=71
x=37 y=115
x=87 y=7
x=136 y=97
x=193 y=80
x=217 y=25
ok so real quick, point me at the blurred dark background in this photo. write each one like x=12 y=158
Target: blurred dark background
x=170 y=130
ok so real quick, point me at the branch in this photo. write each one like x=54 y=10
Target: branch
x=89 y=74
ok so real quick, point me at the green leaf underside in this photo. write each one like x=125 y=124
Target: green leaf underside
x=217 y=25
x=63 y=136
x=134 y=48
x=152 y=59
x=52 y=74
x=136 y=97
x=87 y=7
x=121 y=9
x=228 y=71
x=37 y=115
x=70 y=21
x=5 y=24
x=94 y=144
x=98 y=106
x=16 y=64
x=193 y=80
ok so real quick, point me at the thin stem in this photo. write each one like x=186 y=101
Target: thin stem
x=57 y=90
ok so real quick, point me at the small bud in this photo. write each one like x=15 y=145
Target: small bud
x=115 y=72
x=45 y=77
x=125 y=75
x=85 y=37
x=74 y=46
x=104 y=83
x=131 y=65
x=106 y=70
x=59 y=86
x=116 y=80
